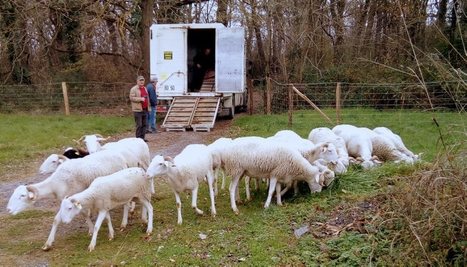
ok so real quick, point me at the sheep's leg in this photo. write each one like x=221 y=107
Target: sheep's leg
x=216 y=175
x=153 y=191
x=100 y=217
x=223 y=181
x=125 y=217
x=295 y=187
x=278 y=194
x=144 y=214
x=109 y=225
x=211 y=193
x=257 y=181
x=50 y=240
x=232 y=189
x=148 y=207
x=194 y=200
x=287 y=187
x=237 y=195
x=89 y=222
x=132 y=206
x=247 y=188
x=179 y=207
x=272 y=187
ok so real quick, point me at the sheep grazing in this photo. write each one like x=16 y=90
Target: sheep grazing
x=323 y=134
x=106 y=193
x=397 y=141
x=384 y=148
x=276 y=162
x=52 y=162
x=358 y=144
x=312 y=152
x=324 y=152
x=193 y=165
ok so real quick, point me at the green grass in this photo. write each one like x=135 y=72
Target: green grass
x=29 y=136
x=256 y=237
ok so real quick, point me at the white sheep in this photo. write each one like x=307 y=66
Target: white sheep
x=397 y=141
x=135 y=150
x=52 y=162
x=384 y=148
x=324 y=152
x=358 y=144
x=311 y=151
x=106 y=193
x=269 y=160
x=324 y=134
x=193 y=165
x=71 y=177
x=216 y=149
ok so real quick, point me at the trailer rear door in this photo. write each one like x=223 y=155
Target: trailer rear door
x=168 y=60
x=230 y=60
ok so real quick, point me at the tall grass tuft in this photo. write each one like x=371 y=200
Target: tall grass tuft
x=426 y=214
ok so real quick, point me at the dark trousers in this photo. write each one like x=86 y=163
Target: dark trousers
x=141 y=119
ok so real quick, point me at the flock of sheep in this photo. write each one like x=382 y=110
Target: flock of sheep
x=116 y=173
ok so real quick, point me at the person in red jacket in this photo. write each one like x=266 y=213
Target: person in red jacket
x=140 y=106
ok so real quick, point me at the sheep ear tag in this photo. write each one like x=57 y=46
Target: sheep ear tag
x=78 y=205
x=31 y=195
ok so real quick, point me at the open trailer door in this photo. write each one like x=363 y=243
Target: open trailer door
x=168 y=59
x=230 y=60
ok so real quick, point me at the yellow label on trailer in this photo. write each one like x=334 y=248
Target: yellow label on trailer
x=168 y=55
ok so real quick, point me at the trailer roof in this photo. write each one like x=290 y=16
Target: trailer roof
x=190 y=25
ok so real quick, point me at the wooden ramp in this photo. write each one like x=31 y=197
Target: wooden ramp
x=185 y=112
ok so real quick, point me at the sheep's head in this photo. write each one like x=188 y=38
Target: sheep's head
x=69 y=208
x=51 y=163
x=329 y=153
x=340 y=167
x=92 y=142
x=158 y=166
x=22 y=198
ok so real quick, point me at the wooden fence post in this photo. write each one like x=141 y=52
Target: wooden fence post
x=268 y=96
x=65 y=99
x=290 y=93
x=338 y=102
x=250 y=96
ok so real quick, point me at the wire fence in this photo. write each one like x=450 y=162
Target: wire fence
x=83 y=98
x=273 y=97
x=268 y=97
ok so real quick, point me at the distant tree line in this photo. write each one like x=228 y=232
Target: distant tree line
x=298 y=40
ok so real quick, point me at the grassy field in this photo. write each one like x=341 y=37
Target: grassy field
x=342 y=219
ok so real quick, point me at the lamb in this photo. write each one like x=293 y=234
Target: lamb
x=52 y=162
x=216 y=148
x=397 y=141
x=384 y=148
x=267 y=159
x=321 y=154
x=323 y=134
x=71 y=177
x=135 y=150
x=358 y=144
x=312 y=152
x=106 y=193
x=184 y=172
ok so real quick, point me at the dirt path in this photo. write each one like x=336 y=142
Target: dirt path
x=165 y=143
